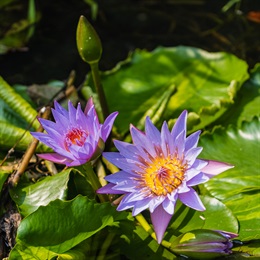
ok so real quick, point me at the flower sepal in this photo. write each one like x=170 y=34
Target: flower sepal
x=99 y=149
x=203 y=244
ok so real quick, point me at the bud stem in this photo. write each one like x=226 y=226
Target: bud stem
x=99 y=88
x=88 y=172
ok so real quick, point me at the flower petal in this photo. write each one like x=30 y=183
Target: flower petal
x=51 y=128
x=88 y=106
x=180 y=144
x=152 y=132
x=192 y=154
x=214 y=168
x=127 y=150
x=169 y=206
x=180 y=125
x=127 y=185
x=198 y=179
x=142 y=142
x=62 y=122
x=72 y=114
x=167 y=140
x=107 y=126
x=134 y=196
x=160 y=219
x=140 y=206
x=81 y=118
x=125 y=205
x=117 y=177
x=60 y=109
x=52 y=142
x=192 y=140
x=121 y=162
x=54 y=157
x=192 y=200
x=108 y=189
x=155 y=202
x=190 y=173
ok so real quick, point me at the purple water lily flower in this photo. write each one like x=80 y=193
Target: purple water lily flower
x=158 y=169
x=76 y=137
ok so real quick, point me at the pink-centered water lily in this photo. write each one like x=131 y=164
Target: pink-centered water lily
x=158 y=169
x=76 y=137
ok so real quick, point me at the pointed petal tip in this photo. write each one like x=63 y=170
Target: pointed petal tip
x=215 y=167
x=185 y=111
x=89 y=104
x=160 y=220
x=56 y=104
x=108 y=189
x=108 y=125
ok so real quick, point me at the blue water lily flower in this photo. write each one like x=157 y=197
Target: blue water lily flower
x=158 y=169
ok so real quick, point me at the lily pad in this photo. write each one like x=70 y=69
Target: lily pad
x=206 y=84
x=31 y=197
x=217 y=216
x=60 y=226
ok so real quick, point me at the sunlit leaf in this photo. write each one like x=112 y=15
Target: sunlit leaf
x=31 y=197
x=216 y=216
x=61 y=225
x=23 y=252
x=206 y=84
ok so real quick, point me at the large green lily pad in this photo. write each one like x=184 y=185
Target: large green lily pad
x=206 y=84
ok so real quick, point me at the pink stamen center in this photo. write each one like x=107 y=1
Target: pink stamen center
x=75 y=136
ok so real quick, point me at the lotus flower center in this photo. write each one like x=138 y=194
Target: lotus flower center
x=75 y=136
x=164 y=175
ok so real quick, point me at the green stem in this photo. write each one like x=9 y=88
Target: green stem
x=94 y=181
x=150 y=231
x=105 y=246
x=99 y=88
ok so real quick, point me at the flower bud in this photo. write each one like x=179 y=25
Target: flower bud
x=203 y=244
x=88 y=42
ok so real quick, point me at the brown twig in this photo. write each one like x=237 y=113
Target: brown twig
x=14 y=179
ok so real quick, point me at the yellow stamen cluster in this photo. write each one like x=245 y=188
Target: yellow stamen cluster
x=163 y=175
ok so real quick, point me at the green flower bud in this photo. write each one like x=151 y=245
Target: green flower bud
x=203 y=244
x=88 y=42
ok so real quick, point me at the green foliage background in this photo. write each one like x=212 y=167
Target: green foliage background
x=61 y=218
